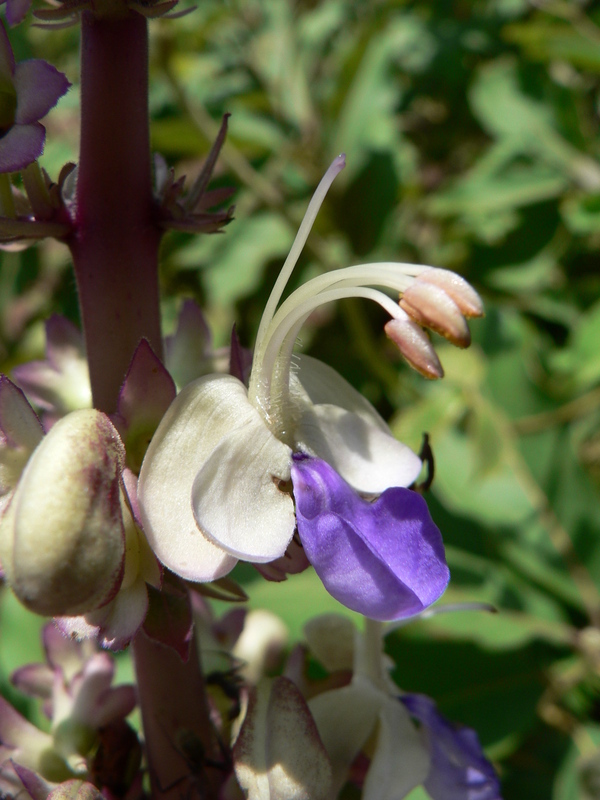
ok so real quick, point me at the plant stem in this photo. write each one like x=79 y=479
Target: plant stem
x=115 y=252
x=116 y=239
x=185 y=755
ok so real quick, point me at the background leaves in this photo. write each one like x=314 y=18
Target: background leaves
x=471 y=132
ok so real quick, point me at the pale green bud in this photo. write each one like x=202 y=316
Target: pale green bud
x=61 y=538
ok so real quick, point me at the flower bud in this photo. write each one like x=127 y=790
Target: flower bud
x=61 y=537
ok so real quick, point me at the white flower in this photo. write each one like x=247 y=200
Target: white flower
x=216 y=482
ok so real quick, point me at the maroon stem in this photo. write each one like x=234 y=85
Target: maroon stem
x=115 y=252
x=186 y=759
x=116 y=240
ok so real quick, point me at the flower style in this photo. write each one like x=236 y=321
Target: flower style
x=232 y=470
x=27 y=92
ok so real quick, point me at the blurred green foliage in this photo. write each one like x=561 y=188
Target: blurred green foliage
x=471 y=134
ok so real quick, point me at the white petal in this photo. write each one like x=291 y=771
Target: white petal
x=236 y=497
x=345 y=719
x=368 y=458
x=400 y=761
x=199 y=417
x=324 y=385
x=278 y=754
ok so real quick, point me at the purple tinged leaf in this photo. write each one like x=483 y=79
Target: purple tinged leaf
x=147 y=392
x=34 y=785
x=279 y=754
x=384 y=559
x=34 y=680
x=148 y=389
x=189 y=350
x=64 y=341
x=459 y=770
x=39 y=87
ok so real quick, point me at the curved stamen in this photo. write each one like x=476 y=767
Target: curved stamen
x=277 y=353
x=336 y=166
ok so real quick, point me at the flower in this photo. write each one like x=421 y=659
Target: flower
x=459 y=770
x=371 y=717
x=27 y=92
x=232 y=469
x=88 y=739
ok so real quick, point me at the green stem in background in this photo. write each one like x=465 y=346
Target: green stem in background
x=116 y=241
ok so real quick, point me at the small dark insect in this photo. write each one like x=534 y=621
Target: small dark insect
x=230 y=682
x=426 y=455
x=190 y=747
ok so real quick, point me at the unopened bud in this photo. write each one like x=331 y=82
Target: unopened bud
x=61 y=537
x=429 y=305
x=456 y=287
x=414 y=344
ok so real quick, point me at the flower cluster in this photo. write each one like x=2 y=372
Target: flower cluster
x=355 y=726
x=88 y=732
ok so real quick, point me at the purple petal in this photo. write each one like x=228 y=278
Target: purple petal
x=7 y=57
x=16 y=11
x=21 y=145
x=459 y=770
x=39 y=86
x=383 y=559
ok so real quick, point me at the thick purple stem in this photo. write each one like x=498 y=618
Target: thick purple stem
x=187 y=761
x=115 y=246
x=115 y=252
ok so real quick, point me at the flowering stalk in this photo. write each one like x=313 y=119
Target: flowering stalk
x=115 y=246
x=115 y=254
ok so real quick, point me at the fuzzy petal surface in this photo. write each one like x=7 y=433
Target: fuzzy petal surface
x=213 y=444
x=383 y=559
x=369 y=459
x=21 y=145
x=39 y=87
x=236 y=497
x=278 y=754
x=16 y=11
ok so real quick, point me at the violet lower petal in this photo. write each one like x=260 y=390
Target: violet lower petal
x=384 y=559
x=16 y=11
x=39 y=87
x=21 y=145
x=459 y=770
